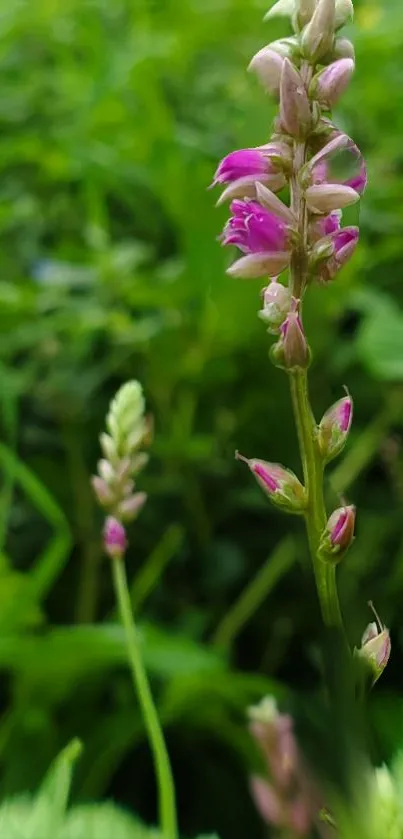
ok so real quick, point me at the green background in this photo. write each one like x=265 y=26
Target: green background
x=113 y=117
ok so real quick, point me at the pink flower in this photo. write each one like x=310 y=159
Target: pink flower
x=343 y=244
x=115 y=542
x=253 y=229
x=241 y=164
x=338 y=155
x=324 y=226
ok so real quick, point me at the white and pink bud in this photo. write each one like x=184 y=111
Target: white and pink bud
x=375 y=647
x=291 y=352
x=103 y=492
x=334 y=428
x=318 y=36
x=325 y=198
x=329 y=85
x=280 y=485
x=276 y=305
x=304 y=11
x=115 y=541
x=130 y=507
x=344 y=13
x=338 y=534
x=343 y=48
x=295 y=108
x=268 y=65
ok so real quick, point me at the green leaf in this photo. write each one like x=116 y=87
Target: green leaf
x=104 y=821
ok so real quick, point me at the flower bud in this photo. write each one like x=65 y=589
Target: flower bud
x=324 y=198
x=272 y=202
x=280 y=484
x=305 y=10
x=343 y=48
x=129 y=509
x=318 y=36
x=255 y=265
x=115 y=542
x=108 y=447
x=375 y=647
x=330 y=83
x=283 y=8
x=268 y=64
x=276 y=305
x=102 y=491
x=106 y=471
x=295 y=110
x=344 y=13
x=291 y=351
x=338 y=535
x=334 y=428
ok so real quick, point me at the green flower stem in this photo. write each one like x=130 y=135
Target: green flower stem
x=315 y=517
x=167 y=805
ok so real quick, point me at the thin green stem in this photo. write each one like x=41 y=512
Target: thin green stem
x=167 y=805
x=315 y=517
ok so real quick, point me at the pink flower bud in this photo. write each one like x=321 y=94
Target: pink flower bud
x=318 y=36
x=375 y=647
x=129 y=508
x=268 y=64
x=329 y=85
x=102 y=491
x=276 y=305
x=338 y=535
x=324 y=198
x=295 y=109
x=291 y=351
x=267 y=801
x=334 y=428
x=280 y=484
x=115 y=542
x=342 y=246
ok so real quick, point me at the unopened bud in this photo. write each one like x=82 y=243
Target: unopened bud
x=102 y=491
x=129 y=509
x=283 y=8
x=375 y=647
x=276 y=305
x=280 y=484
x=334 y=428
x=295 y=110
x=343 y=48
x=108 y=447
x=255 y=265
x=338 y=535
x=115 y=542
x=268 y=64
x=344 y=13
x=305 y=10
x=266 y=197
x=291 y=351
x=106 y=471
x=329 y=85
x=324 y=198
x=318 y=36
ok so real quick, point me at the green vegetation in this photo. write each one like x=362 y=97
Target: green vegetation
x=113 y=116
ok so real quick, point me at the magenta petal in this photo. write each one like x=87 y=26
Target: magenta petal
x=241 y=164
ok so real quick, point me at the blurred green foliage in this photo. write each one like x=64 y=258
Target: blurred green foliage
x=113 y=116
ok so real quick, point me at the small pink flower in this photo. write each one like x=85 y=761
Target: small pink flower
x=341 y=527
x=241 y=164
x=343 y=244
x=115 y=542
x=254 y=229
x=334 y=428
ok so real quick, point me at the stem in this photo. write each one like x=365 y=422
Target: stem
x=167 y=805
x=315 y=517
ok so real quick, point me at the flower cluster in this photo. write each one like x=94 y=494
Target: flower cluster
x=114 y=485
x=307 y=73
x=287 y=799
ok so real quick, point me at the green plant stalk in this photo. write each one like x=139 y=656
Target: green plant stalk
x=315 y=516
x=163 y=771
